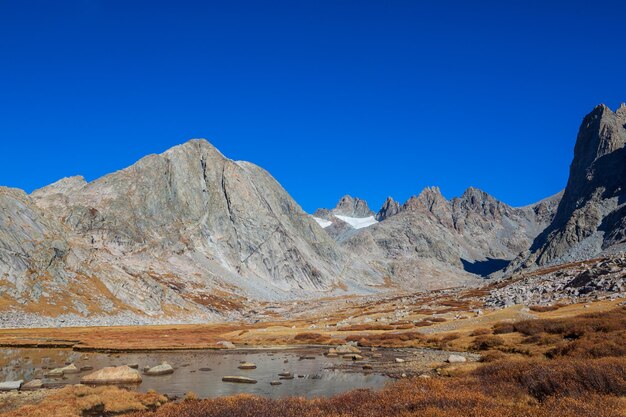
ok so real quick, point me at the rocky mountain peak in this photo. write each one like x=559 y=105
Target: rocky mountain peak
x=590 y=215
x=429 y=199
x=390 y=208
x=352 y=207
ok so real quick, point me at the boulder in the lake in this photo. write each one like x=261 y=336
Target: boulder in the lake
x=247 y=365
x=113 y=375
x=205 y=369
x=353 y=356
x=276 y=383
x=10 y=385
x=307 y=357
x=35 y=384
x=54 y=373
x=133 y=365
x=239 y=379
x=70 y=369
x=347 y=348
x=226 y=344
x=367 y=366
x=162 y=369
x=456 y=359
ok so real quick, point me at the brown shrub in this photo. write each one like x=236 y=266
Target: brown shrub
x=450 y=337
x=503 y=328
x=572 y=377
x=78 y=401
x=385 y=339
x=480 y=332
x=362 y=327
x=543 y=309
x=593 y=346
x=310 y=337
x=575 y=327
x=542 y=339
x=492 y=356
x=454 y=397
x=486 y=342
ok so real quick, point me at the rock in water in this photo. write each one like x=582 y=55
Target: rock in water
x=162 y=369
x=247 y=365
x=10 y=385
x=54 y=373
x=70 y=369
x=239 y=379
x=35 y=384
x=113 y=375
x=345 y=349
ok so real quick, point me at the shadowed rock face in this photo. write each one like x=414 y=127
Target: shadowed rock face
x=167 y=233
x=590 y=217
x=390 y=208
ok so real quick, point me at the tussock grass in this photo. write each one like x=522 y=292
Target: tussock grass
x=79 y=401
x=449 y=397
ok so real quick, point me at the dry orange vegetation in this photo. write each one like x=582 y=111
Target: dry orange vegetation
x=79 y=401
x=515 y=389
x=577 y=376
x=564 y=363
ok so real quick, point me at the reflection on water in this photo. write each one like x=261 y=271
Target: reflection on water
x=314 y=378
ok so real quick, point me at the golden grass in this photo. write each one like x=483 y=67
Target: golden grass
x=492 y=391
x=79 y=401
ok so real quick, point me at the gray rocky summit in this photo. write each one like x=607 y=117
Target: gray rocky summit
x=352 y=207
x=591 y=217
x=390 y=208
x=432 y=240
x=175 y=233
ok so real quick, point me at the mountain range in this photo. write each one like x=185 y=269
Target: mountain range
x=191 y=233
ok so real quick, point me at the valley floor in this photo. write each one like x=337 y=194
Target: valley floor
x=539 y=360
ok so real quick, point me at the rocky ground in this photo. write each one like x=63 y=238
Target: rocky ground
x=570 y=283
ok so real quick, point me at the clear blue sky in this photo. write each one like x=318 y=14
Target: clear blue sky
x=332 y=97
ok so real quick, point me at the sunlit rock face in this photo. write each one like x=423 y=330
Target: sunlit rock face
x=167 y=235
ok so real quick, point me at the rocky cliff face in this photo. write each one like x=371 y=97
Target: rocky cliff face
x=591 y=215
x=179 y=232
x=474 y=233
x=390 y=208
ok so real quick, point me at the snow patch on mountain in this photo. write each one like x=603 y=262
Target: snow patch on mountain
x=323 y=223
x=358 y=222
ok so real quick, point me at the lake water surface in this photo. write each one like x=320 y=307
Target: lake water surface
x=314 y=377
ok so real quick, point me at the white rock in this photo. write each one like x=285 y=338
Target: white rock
x=456 y=359
x=10 y=385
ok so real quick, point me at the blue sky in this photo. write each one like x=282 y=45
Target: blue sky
x=332 y=97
